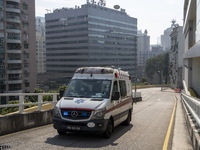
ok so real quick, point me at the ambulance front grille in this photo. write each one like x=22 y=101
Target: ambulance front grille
x=75 y=114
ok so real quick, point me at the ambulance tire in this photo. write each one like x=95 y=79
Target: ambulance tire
x=128 y=120
x=107 y=134
x=60 y=132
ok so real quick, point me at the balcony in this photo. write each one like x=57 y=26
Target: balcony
x=14 y=61
x=17 y=1
x=12 y=46
x=14 y=81
x=13 y=30
x=11 y=8
x=14 y=51
x=15 y=91
x=13 y=19
x=18 y=41
x=14 y=71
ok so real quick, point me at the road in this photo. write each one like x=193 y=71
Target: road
x=147 y=131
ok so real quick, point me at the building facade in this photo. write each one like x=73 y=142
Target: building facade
x=40 y=45
x=155 y=50
x=191 y=29
x=166 y=39
x=143 y=49
x=90 y=35
x=176 y=57
x=17 y=46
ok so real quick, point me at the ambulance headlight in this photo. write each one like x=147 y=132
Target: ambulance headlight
x=99 y=114
x=56 y=112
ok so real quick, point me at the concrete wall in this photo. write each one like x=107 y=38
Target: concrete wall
x=18 y=122
x=196 y=74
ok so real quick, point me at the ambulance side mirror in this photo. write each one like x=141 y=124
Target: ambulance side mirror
x=115 y=96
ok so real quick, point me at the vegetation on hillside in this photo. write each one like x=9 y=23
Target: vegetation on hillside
x=158 y=65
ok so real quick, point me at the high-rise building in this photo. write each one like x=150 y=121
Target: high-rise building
x=40 y=45
x=143 y=49
x=155 y=50
x=191 y=30
x=17 y=46
x=166 y=39
x=176 y=57
x=90 y=35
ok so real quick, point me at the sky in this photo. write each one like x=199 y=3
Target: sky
x=153 y=15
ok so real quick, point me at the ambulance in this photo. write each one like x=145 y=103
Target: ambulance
x=96 y=100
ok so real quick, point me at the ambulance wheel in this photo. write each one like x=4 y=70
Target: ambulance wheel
x=60 y=132
x=107 y=134
x=128 y=120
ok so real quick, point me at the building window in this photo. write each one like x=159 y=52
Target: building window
x=1 y=25
x=1 y=47
x=27 y=84
x=25 y=26
x=25 y=6
x=26 y=46
x=25 y=36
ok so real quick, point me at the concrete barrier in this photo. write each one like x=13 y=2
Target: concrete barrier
x=137 y=96
x=17 y=122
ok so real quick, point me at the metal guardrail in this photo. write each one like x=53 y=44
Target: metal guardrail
x=22 y=98
x=193 y=106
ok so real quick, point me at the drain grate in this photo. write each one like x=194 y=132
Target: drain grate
x=4 y=147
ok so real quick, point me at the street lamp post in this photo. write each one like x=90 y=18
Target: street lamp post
x=160 y=76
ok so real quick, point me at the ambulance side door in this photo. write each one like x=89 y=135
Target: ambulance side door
x=124 y=98
x=116 y=102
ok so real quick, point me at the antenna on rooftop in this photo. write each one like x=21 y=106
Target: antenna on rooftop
x=117 y=7
x=48 y=11
x=102 y=2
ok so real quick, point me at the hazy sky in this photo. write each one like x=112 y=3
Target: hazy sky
x=153 y=15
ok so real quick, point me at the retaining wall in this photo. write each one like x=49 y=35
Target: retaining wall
x=18 y=122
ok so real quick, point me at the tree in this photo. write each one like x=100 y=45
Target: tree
x=158 y=65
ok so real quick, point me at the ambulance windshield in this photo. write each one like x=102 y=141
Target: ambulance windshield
x=87 y=88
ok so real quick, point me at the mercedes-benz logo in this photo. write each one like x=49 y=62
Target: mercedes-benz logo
x=74 y=114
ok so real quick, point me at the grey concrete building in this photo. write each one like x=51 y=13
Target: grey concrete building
x=17 y=46
x=176 y=57
x=155 y=50
x=191 y=29
x=166 y=39
x=143 y=49
x=40 y=45
x=90 y=35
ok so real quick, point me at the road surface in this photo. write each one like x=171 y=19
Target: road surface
x=147 y=131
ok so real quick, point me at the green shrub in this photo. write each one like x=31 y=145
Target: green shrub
x=194 y=93
x=8 y=110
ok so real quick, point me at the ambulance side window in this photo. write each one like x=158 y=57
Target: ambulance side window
x=123 y=90
x=115 y=89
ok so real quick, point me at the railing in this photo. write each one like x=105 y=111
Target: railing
x=193 y=106
x=22 y=96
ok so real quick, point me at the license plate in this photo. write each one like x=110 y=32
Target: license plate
x=73 y=128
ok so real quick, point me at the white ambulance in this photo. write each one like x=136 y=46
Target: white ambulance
x=96 y=100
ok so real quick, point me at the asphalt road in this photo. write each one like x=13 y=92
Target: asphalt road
x=147 y=131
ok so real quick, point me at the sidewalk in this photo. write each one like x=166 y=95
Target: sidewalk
x=181 y=139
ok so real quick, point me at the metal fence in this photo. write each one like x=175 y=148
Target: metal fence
x=193 y=106
x=22 y=97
